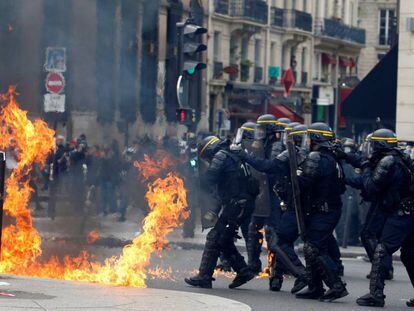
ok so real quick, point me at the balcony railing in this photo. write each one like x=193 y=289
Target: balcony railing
x=277 y=18
x=298 y=19
x=258 y=74
x=217 y=70
x=221 y=6
x=254 y=10
x=338 y=30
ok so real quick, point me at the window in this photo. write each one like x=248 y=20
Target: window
x=273 y=53
x=217 y=47
x=352 y=16
x=244 y=48
x=387 y=27
x=316 y=66
x=294 y=4
x=305 y=5
x=233 y=51
x=257 y=51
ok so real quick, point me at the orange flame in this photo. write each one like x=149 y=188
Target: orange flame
x=21 y=242
x=161 y=162
x=92 y=237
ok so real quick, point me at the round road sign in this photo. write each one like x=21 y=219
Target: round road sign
x=55 y=82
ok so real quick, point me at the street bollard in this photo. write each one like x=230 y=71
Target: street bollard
x=2 y=194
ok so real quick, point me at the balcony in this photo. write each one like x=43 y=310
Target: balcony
x=253 y=10
x=298 y=19
x=217 y=70
x=221 y=6
x=258 y=74
x=338 y=30
x=277 y=18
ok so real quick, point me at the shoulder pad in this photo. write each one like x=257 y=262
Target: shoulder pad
x=311 y=164
x=383 y=169
x=387 y=161
x=218 y=159
x=314 y=156
x=284 y=156
x=277 y=148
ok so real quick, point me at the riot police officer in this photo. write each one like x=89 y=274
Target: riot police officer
x=268 y=145
x=227 y=179
x=375 y=217
x=280 y=240
x=322 y=184
x=386 y=180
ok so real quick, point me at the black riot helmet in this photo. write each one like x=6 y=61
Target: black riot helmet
x=208 y=147
x=320 y=134
x=266 y=125
x=282 y=123
x=288 y=129
x=248 y=130
x=299 y=135
x=383 y=140
x=349 y=145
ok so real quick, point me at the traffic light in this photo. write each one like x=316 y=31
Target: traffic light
x=191 y=47
x=186 y=116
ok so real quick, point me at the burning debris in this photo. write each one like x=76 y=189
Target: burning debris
x=22 y=243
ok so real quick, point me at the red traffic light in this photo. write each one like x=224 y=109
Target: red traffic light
x=185 y=116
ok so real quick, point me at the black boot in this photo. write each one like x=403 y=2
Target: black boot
x=336 y=292
x=300 y=283
x=200 y=281
x=376 y=297
x=242 y=277
x=410 y=303
x=311 y=293
x=369 y=300
x=254 y=248
x=275 y=283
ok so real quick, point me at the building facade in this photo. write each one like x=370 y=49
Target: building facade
x=405 y=85
x=121 y=63
x=379 y=19
x=253 y=43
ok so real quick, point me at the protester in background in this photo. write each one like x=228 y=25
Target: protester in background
x=56 y=171
x=108 y=178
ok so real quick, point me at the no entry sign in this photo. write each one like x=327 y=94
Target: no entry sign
x=55 y=82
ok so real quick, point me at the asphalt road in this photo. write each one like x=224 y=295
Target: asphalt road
x=182 y=263
x=258 y=297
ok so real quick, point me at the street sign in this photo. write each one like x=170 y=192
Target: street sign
x=54 y=102
x=274 y=72
x=55 y=82
x=55 y=59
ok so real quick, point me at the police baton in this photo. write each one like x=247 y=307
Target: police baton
x=2 y=194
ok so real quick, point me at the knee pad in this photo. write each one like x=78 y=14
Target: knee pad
x=311 y=252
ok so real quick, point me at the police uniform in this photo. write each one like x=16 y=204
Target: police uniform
x=223 y=178
x=387 y=178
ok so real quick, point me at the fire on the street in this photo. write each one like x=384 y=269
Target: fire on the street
x=22 y=246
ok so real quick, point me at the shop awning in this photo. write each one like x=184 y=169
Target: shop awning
x=375 y=96
x=283 y=111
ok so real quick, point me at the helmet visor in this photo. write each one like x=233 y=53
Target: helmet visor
x=260 y=132
x=239 y=136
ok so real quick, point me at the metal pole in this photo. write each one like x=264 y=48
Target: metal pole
x=2 y=194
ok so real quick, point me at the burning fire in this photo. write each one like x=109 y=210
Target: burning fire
x=21 y=242
x=161 y=163
x=92 y=237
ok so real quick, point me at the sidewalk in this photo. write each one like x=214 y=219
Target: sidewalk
x=17 y=293
x=117 y=234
